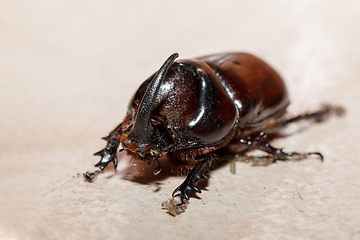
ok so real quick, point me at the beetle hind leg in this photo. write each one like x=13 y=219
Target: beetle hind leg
x=317 y=116
x=201 y=168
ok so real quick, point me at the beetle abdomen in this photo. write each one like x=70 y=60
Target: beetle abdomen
x=256 y=89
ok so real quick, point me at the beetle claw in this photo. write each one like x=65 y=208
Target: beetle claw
x=90 y=176
x=204 y=176
x=158 y=167
x=184 y=192
x=199 y=171
x=318 y=154
x=106 y=159
x=301 y=156
x=196 y=189
x=100 y=153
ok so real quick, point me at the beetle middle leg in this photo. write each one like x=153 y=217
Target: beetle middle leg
x=275 y=153
x=201 y=168
x=260 y=140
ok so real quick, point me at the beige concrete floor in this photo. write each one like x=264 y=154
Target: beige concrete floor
x=68 y=69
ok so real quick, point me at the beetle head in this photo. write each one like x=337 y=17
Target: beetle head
x=148 y=136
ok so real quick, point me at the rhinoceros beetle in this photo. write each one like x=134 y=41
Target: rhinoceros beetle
x=201 y=109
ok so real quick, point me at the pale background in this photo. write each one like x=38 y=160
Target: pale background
x=68 y=69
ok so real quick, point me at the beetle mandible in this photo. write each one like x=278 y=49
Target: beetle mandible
x=202 y=109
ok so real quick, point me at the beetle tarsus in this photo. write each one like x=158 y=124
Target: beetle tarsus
x=90 y=176
x=317 y=116
x=276 y=154
x=318 y=154
x=100 y=153
x=302 y=156
x=270 y=159
x=106 y=158
x=201 y=168
x=107 y=138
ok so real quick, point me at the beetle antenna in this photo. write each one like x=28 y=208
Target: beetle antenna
x=142 y=119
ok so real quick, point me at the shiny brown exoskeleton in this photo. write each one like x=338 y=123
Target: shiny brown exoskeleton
x=202 y=109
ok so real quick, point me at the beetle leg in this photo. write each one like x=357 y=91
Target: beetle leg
x=108 y=154
x=278 y=153
x=201 y=168
x=158 y=167
x=317 y=116
x=261 y=140
x=89 y=176
x=269 y=159
x=106 y=158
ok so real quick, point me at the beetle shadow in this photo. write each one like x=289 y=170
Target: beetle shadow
x=143 y=172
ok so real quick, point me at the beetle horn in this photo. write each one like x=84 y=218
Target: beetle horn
x=142 y=119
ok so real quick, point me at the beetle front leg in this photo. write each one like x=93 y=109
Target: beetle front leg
x=108 y=154
x=201 y=168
